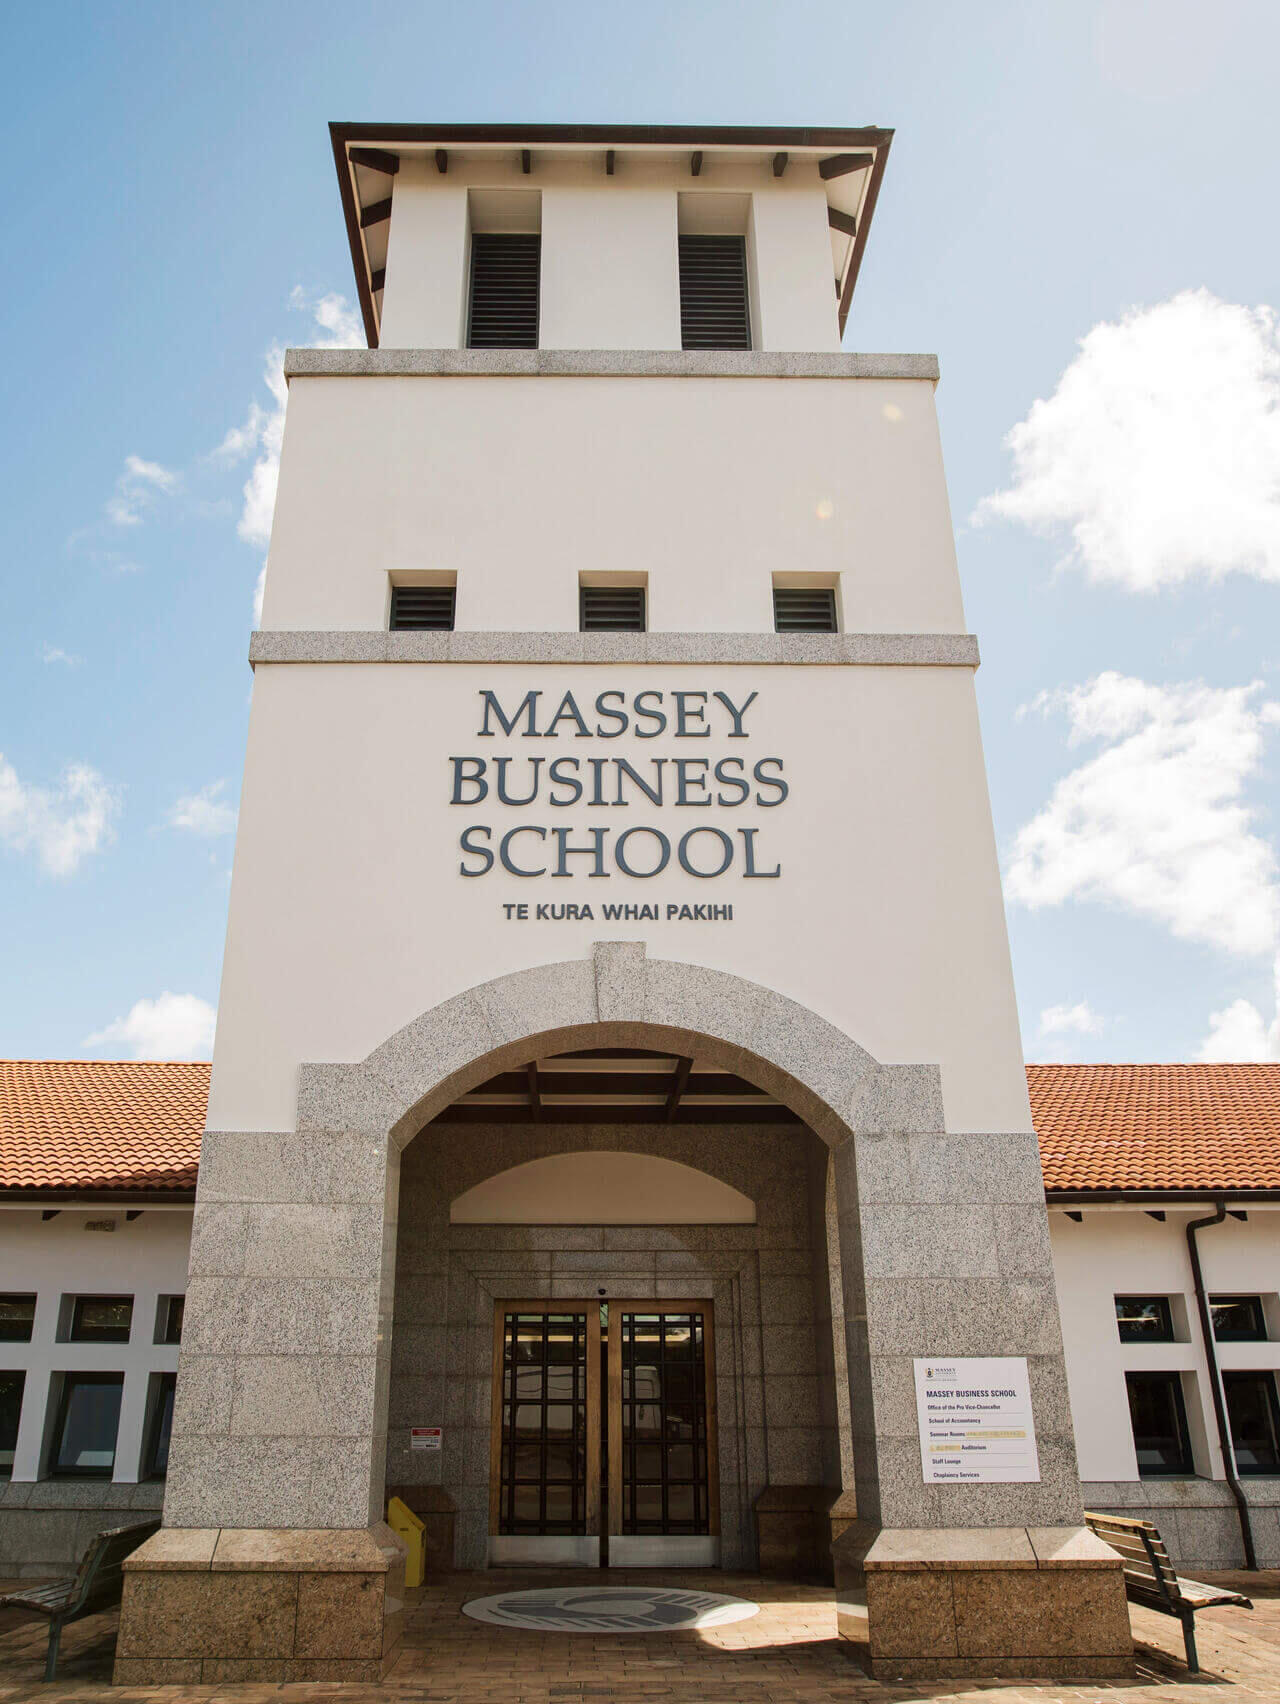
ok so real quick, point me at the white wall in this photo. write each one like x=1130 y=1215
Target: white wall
x=424 y=297
x=145 y=1258
x=1117 y=1253
x=708 y=486
x=610 y=276
x=349 y=916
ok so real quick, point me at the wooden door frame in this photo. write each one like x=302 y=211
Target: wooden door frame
x=544 y=1306
x=627 y=1304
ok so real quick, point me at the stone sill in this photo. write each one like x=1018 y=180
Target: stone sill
x=602 y=364
x=361 y=645
x=266 y=1551
x=966 y=1549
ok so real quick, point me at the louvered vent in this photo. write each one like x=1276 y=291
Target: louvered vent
x=804 y=609
x=611 y=609
x=422 y=608
x=713 y=293
x=504 y=290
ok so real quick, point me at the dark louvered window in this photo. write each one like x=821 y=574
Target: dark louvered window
x=504 y=290
x=611 y=609
x=804 y=609
x=713 y=293
x=428 y=608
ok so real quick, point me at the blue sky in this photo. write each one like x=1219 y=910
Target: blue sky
x=1057 y=168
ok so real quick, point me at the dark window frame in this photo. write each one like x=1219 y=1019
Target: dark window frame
x=1254 y=1302
x=486 y=246
x=7 y=1336
x=1165 y=1310
x=817 y=620
x=69 y=1382
x=1271 y=1401
x=404 y=618
x=162 y=1398
x=1184 y=1468
x=715 y=291
x=601 y=620
x=20 y=1374
x=78 y=1333
x=169 y=1306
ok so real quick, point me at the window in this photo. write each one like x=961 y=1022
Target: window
x=1254 y=1417
x=611 y=609
x=1144 y=1319
x=155 y=1459
x=421 y=609
x=1238 y=1319
x=11 y=1385
x=17 y=1315
x=503 y=312
x=101 y=1319
x=804 y=609
x=1159 y=1419
x=84 y=1440
x=169 y=1319
x=714 y=313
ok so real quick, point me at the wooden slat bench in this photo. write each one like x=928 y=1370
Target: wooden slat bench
x=97 y=1585
x=1149 y=1576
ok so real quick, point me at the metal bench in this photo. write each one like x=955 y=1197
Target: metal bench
x=1149 y=1576
x=97 y=1585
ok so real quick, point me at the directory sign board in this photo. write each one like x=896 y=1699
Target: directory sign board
x=976 y=1425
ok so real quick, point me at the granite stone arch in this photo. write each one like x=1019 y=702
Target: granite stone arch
x=620 y=997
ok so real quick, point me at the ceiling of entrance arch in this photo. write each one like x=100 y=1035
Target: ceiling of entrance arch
x=618 y=1085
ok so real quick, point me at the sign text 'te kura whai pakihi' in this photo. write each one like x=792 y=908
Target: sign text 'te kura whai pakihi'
x=542 y=785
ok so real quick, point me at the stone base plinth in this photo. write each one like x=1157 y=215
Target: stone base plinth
x=1039 y=1602
x=793 y=1530
x=247 y=1605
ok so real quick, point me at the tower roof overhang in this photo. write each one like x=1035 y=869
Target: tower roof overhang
x=850 y=163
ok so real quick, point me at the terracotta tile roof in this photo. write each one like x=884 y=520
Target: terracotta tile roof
x=99 y=1125
x=1157 y=1127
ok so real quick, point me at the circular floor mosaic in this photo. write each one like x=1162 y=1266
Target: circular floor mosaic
x=610 y=1609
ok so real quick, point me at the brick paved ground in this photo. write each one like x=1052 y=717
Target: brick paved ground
x=788 y=1654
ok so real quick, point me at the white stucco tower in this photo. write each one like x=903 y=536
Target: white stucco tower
x=618 y=1113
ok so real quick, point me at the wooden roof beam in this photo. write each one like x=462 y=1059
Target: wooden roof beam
x=839 y=165
x=377 y=160
x=678 y=1082
x=375 y=213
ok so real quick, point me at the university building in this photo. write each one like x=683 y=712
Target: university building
x=618 y=1142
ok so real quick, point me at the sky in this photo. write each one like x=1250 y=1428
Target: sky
x=1077 y=217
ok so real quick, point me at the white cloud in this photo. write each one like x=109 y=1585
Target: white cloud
x=204 y=813
x=1155 y=823
x=137 y=488
x=172 y=1026
x=1240 y=1034
x=1160 y=447
x=62 y=825
x=55 y=654
x=1079 y=1019
x=262 y=433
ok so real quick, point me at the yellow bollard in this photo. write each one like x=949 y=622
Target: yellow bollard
x=406 y=1525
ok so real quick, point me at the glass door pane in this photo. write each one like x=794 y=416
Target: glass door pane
x=544 y=1500
x=662 y=1430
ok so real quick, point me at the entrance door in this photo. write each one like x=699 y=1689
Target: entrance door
x=544 y=1457
x=664 y=1506
x=603 y=1443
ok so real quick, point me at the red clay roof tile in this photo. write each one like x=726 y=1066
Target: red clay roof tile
x=1206 y=1128
x=96 y=1125
x=100 y=1125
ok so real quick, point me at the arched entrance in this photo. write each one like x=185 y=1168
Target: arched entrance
x=282 y=1410
x=630 y=1250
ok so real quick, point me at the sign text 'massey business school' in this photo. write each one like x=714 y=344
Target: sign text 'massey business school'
x=544 y=784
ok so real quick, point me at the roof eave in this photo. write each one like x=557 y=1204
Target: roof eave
x=781 y=138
